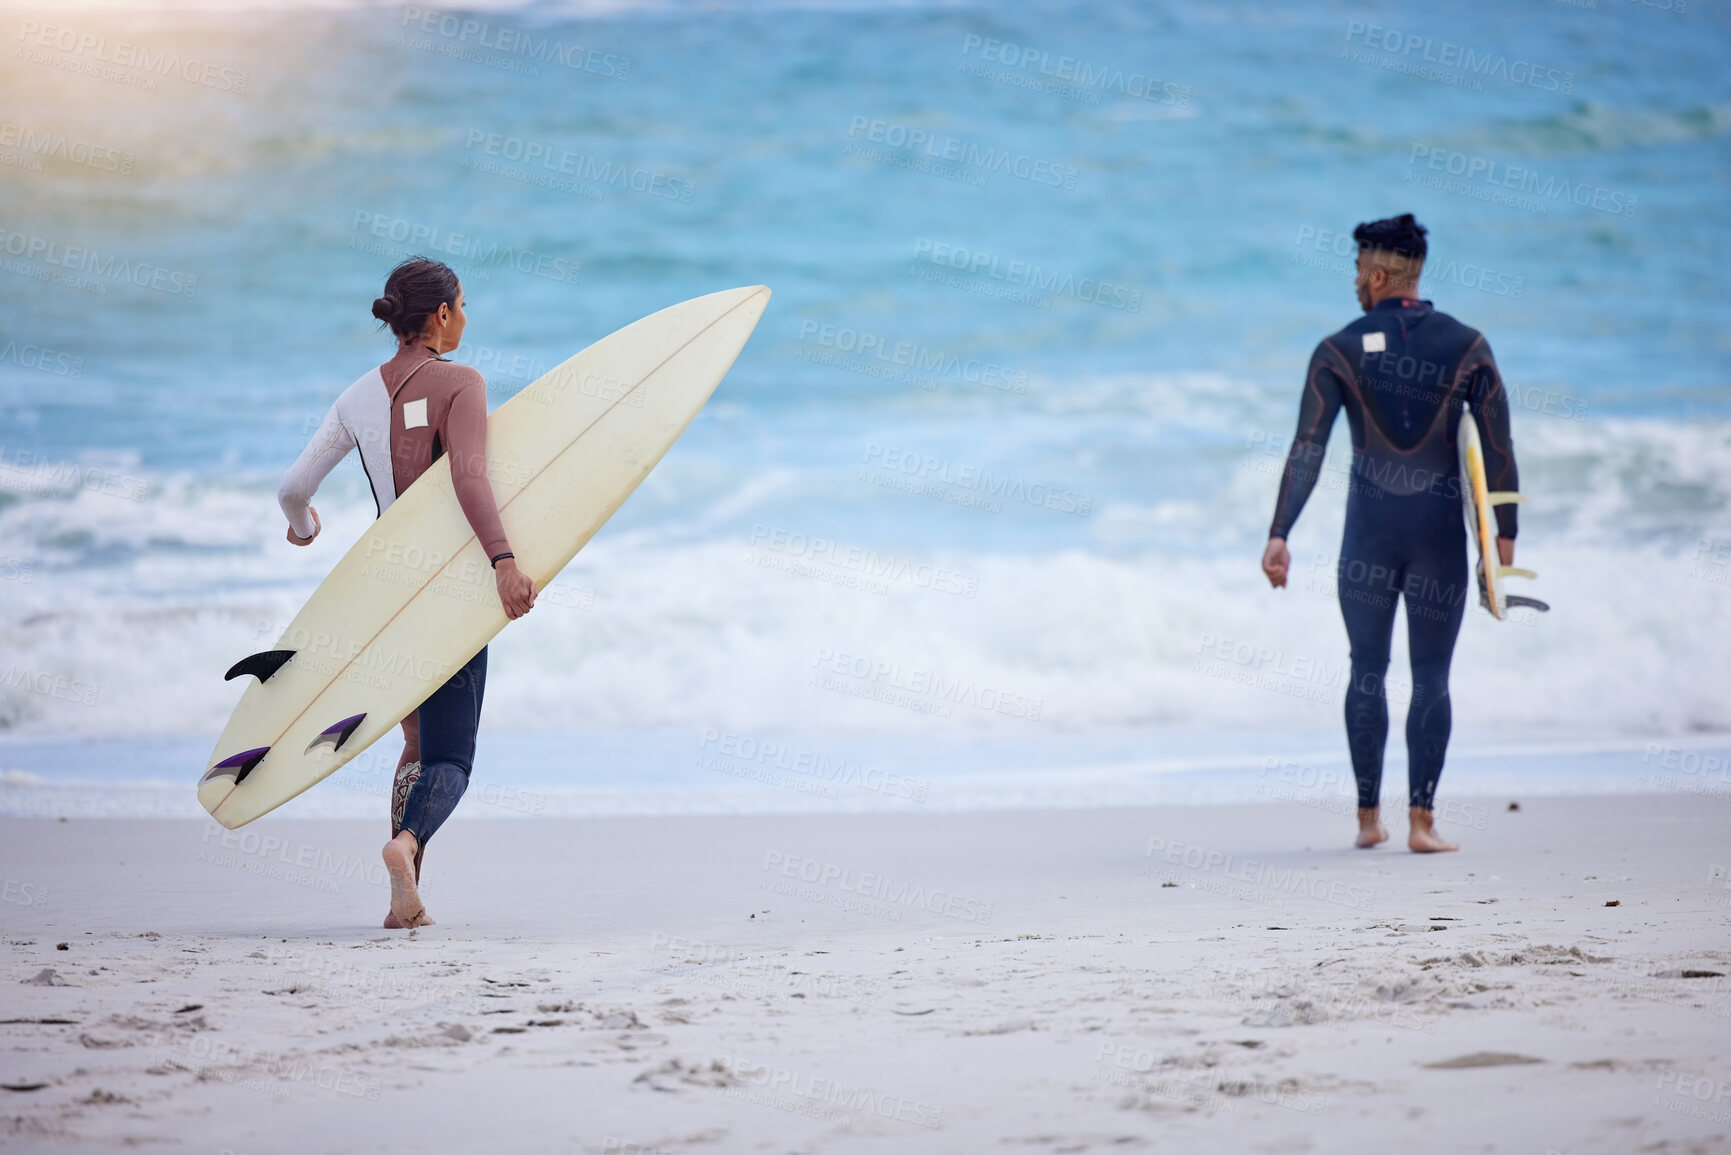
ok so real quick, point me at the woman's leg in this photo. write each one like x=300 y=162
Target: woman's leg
x=446 y=723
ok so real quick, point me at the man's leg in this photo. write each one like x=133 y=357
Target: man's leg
x=1364 y=579
x=448 y=721
x=1436 y=601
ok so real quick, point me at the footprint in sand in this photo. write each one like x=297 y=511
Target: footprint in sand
x=1482 y=1059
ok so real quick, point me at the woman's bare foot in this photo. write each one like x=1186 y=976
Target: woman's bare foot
x=406 y=908
x=1421 y=835
x=1371 y=831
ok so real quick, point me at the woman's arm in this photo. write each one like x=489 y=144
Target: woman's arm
x=466 y=436
x=329 y=445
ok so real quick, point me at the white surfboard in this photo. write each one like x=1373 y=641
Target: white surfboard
x=414 y=599
x=1480 y=499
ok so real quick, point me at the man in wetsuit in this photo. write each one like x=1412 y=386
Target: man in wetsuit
x=1402 y=373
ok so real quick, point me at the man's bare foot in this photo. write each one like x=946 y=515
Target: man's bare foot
x=1421 y=835
x=406 y=909
x=1371 y=831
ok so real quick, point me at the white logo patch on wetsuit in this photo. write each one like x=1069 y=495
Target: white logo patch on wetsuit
x=415 y=412
x=1375 y=342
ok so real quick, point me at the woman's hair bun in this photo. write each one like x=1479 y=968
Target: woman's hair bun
x=413 y=293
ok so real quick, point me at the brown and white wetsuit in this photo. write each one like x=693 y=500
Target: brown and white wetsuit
x=404 y=416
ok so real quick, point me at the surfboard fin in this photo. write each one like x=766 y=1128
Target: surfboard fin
x=1516 y=601
x=1504 y=497
x=1504 y=571
x=336 y=735
x=236 y=766
x=260 y=665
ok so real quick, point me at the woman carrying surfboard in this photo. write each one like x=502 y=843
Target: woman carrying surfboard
x=1402 y=373
x=403 y=416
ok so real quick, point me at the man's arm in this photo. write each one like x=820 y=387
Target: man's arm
x=1490 y=407
x=1317 y=410
x=1316 y=413
x=329 y=445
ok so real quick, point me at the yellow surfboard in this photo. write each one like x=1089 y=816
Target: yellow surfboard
x=414 y=599
x=1480 y=499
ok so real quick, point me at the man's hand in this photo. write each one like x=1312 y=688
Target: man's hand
x=1506 y=551
x=1276 y=561
x=296 y=539
x=516 y=591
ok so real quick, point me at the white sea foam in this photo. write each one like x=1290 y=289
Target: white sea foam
x=121 y=615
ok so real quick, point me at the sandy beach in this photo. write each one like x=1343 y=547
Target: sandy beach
x=1224 y=978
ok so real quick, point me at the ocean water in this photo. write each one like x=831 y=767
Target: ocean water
x=981 y=504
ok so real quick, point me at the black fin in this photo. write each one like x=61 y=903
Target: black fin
x=260 y=665
x=1516 y=602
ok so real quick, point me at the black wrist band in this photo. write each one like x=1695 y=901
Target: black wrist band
x=501 y=558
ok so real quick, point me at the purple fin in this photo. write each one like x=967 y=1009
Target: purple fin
x=240 y=765
x=336 y=735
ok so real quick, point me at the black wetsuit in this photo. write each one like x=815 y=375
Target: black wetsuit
x=1401 y=372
